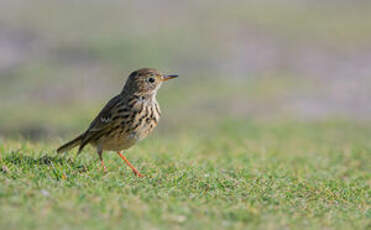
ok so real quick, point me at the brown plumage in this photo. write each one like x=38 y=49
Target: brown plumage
x=127 y=118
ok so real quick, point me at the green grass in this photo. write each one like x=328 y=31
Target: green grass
x=240 y=175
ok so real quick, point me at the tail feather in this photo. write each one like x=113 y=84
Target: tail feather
x=69 y=145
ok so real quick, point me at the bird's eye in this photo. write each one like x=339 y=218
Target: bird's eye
x=151 y=79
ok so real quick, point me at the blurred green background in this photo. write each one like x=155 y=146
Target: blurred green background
x=270 y=60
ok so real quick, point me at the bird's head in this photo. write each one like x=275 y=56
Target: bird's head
x=146 y=81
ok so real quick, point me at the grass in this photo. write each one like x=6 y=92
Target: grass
x=232 y=175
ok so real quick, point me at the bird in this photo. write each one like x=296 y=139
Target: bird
x=126 y=119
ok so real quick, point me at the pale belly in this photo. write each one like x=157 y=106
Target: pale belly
x=117 y=143
x=124 y=141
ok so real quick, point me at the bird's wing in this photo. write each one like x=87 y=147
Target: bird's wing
x=104 y=118
x=102 y=123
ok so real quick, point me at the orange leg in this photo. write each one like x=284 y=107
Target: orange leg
x=136 y=172
x=101 y=161
x=104 y=167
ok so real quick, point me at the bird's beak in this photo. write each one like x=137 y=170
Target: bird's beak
x=168 y=77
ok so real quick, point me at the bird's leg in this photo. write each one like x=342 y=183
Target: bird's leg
x=100 y=154
x=136 y=172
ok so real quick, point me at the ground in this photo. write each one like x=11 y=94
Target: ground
x=233 y=175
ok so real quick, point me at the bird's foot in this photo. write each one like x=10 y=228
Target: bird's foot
x=137 y=173
x=104 y=167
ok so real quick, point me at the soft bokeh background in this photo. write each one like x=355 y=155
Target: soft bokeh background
x=270 y=60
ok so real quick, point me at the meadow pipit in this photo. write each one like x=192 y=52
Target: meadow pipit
x=126 y=119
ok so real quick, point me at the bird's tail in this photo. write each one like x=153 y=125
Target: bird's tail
x=69 y=145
